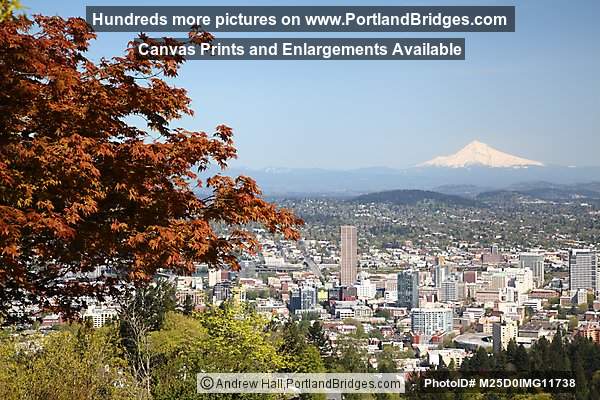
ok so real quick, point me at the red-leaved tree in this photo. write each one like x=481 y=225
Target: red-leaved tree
x=81 y=187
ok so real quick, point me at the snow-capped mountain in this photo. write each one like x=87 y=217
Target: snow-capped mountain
x=476 y=168
x=480 y=154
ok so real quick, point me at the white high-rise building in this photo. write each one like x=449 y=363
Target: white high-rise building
x=428 y=321
x=366 y=290
x=440 y=272
x=502 y=333
x=583 y=270
x=523 y=280
x=348 y=255
x=214 y=276
x=449 y=291
x=535 y=262
x=100 y=314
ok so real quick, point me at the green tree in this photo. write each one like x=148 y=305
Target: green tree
x=188 y=306
x=386 y=363
x=7 y=7
x=386 y=360
x=560 y=360
x=299 y=354
x=479 y=362
x=573 y=323
x=230 y=338
x=318 y=338
x=511 y=350
x=349 y=357
x=521 y=360
x=142 y=311
x=77 y=363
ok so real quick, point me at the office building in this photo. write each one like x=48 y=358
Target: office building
x=221 y=292
x=304 y=298
x=366 y=290
x=100 y=314
x=428 y=321
x=470 y=276
x=492 y=256
x=440 y=273
x=502 y=333
x=583 y=270
x=214 y=277
x=449 y=291
x=348 y=255
x=498 y=280
x=522 y=279
x=408 y=289
x=535 y=262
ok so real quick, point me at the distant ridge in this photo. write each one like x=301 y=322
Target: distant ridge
x=480 y=154
x=412 y=197
x=546 y=191
x=456 y=181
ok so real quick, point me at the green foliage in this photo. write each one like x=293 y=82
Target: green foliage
x=376 y=333
x=577 y=355
x=150 y=302
x=7 y=7
x=349 y=357
x=360 y=330
x=230 y=338
x=582 y=308
x=386 y=360
x=590 y=300
x=78 y=363
x=480 y=361
x=383 y=313
x=521 y=359
x=188 y=305
x=573 y=322
x=317 y=337
x=141 y=312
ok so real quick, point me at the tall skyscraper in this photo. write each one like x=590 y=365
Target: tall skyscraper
x=535 y=262
x=348 y=256
x=583 y=270
x=408 y=289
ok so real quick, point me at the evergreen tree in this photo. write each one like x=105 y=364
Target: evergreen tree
x=540 y=355
x=188 y=306
x=511 y=350
x=318 y=338
x=479 y=362
x=349 y=357
x=560 y=361
x=521 y=360
x=499 y=361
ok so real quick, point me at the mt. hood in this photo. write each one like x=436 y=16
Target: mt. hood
x=480 y=154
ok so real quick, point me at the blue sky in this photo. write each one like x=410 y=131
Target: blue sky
x=534 y=93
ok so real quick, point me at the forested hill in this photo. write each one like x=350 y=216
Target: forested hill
x=411 y=197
